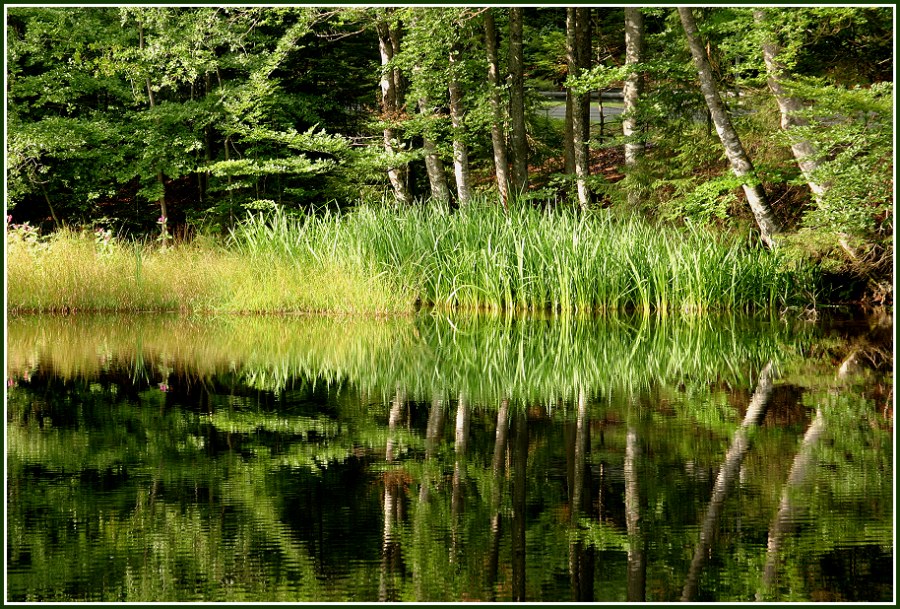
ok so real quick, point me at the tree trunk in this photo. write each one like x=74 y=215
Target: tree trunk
x=568 y=133
x=740 y=162
x=577 y=104
x=497 y=468
x=434 y=166
x=518 y=461
x=804 y=152
x=390 y=543
x=804 y=461
x=163 y=212
x=581 y=561
x=459 y=473
x=47 y=199
x=631 y=92
x=460 y=149
x=581 y=106
x=390 y=108
x=519 y=147
x=635 y=585
x=784 y=521
x=498 y=133
x=396 y=34
x=568 y=140
x=432 y=439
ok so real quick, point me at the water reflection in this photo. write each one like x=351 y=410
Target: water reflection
x=637 y=564
x=727 y=472
x=435 y=459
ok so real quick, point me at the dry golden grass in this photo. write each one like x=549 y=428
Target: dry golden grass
x=71 y=272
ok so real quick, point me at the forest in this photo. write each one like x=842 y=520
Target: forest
x=376 y=158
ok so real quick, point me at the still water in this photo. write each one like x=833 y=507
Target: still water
x=448 y=458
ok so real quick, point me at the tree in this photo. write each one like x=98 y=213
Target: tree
x=734 y=149
x=498 y=116
x=391 y=102
x=160 y=178
x=568 y=133
x=740 y=444
x=418 y=59
x=631 y=92
x=438 y=59
x=457 y=116
x=434 y=165
x=220 y=121
x=789 y=105
x=578 y=54
x=519 y=143
x=58 y=157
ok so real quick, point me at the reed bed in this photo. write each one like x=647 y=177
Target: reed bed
x=381 y=259
x=562 y=260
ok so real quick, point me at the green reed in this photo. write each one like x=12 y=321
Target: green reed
x=386 y=259
x=565 y=260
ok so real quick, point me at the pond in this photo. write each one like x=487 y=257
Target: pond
x=448 y=458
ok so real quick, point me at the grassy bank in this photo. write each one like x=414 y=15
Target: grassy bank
x=71 y=272
x=380 y=260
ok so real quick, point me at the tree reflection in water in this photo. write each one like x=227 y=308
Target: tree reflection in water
x=316 y=460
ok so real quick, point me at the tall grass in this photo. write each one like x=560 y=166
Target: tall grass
x=530 y=259
x=69 y=271
x=383 y=259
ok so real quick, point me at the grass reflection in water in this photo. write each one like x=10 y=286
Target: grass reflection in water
x=443 y=458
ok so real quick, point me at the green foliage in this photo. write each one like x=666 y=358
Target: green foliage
x=853 y=129
x=161 y=91
x=599 y=77
x=545 y=45
x=703 y=202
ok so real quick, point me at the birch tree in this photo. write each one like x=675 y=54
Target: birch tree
x=631 y=92
x=734 y=149
x=577 y=38
x=498 y=124
x=391 y=104
x=789 y=106
x=457 y=115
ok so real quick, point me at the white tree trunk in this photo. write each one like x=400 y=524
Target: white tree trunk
x=631 y=91
x=460 y=149
x=727 y=472
x=434 y=166
x=390 y=109
x=789 y=106
x=734 y=149
x=498 y=132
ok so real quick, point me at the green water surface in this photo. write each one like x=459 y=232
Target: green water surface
x=448 y=458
